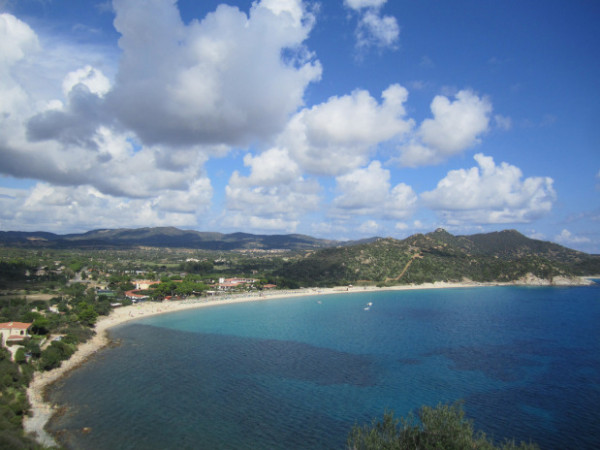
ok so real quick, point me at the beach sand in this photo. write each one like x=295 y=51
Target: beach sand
x=41 y=412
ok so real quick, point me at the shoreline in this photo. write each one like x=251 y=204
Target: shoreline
x=41 y=412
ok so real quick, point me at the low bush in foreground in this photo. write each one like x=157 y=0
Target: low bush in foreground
x=443 y=427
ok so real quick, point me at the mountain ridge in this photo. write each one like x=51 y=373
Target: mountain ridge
x=161 y=237
x=504 y=256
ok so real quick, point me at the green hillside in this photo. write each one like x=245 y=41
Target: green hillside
x=439 y=256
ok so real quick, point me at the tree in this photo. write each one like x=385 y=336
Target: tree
x=442 y=427
x=86 y=314
x=20 y=356
x=41 y=325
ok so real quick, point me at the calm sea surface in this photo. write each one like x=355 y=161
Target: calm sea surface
x=299 y=373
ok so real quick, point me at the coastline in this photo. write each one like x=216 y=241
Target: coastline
x=40 y=412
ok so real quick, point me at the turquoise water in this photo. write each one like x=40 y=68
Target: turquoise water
x=299 y=373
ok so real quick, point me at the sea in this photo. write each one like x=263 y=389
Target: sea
x=299 y=373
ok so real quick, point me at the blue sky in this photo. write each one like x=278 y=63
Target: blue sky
x=338 y=119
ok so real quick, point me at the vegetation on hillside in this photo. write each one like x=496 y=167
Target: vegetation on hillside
x=443 y=427
x=439 y=256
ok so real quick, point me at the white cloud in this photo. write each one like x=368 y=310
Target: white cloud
x=271 y=168
x=273 y=196
x=374 y=29
x=503 y=122
x=567 y=238
x=194 y=88
x=339 y=135
x=490 y=193
x=18 y=39
x=369 y=227
x=360 y=4
x=377 y=30
x=456 y=126
x=222 y=79
x=70 y=209
x=96 y=82
x=368 y=192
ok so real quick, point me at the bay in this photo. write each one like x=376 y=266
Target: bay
x=300 y=372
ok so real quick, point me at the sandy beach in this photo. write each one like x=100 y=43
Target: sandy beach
x=34 y=424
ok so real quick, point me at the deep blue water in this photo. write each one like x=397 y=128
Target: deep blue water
x=299 y=373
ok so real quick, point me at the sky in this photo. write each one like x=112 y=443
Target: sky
x=339 y=119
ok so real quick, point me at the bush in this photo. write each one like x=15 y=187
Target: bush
x=20 y=356
x=77 y=333
x=33 y=347
x=443 y=427
x=56 y=353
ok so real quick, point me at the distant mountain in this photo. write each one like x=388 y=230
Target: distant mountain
x=439 y=256
x=162 y=237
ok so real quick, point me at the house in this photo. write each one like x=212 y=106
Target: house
x=145 y=284
x=134 y=296
x=226 y=284
x=14 y=331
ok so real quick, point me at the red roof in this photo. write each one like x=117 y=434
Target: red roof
x=15 y=325
x=132 y=294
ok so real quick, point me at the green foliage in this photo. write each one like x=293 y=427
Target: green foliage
x=54 y=354
x=32 y=346
x=197 y=267
x=13 y=406
x=86 y=314
x=76 y=333
x=20 y=356
x=41 y=325
x=439 y=256
x=441 y=428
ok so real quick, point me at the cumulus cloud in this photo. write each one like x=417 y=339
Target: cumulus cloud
x=490 y=194
x=219 y=80
x=377 y=30
x=17 y=41
x=72 y=209
x=182 y=93
x=95 y=81
x=368 y=192
x=360 y=4
x=568 y=238
x=456 y=126
x=339 y=135
x=127 y=142
x=273 y=196
x=369 y=227
x=374 y=29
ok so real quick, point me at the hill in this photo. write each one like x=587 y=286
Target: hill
x=439 y=256
x=161 y=237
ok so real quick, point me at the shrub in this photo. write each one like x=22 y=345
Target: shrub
x=442 y=427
